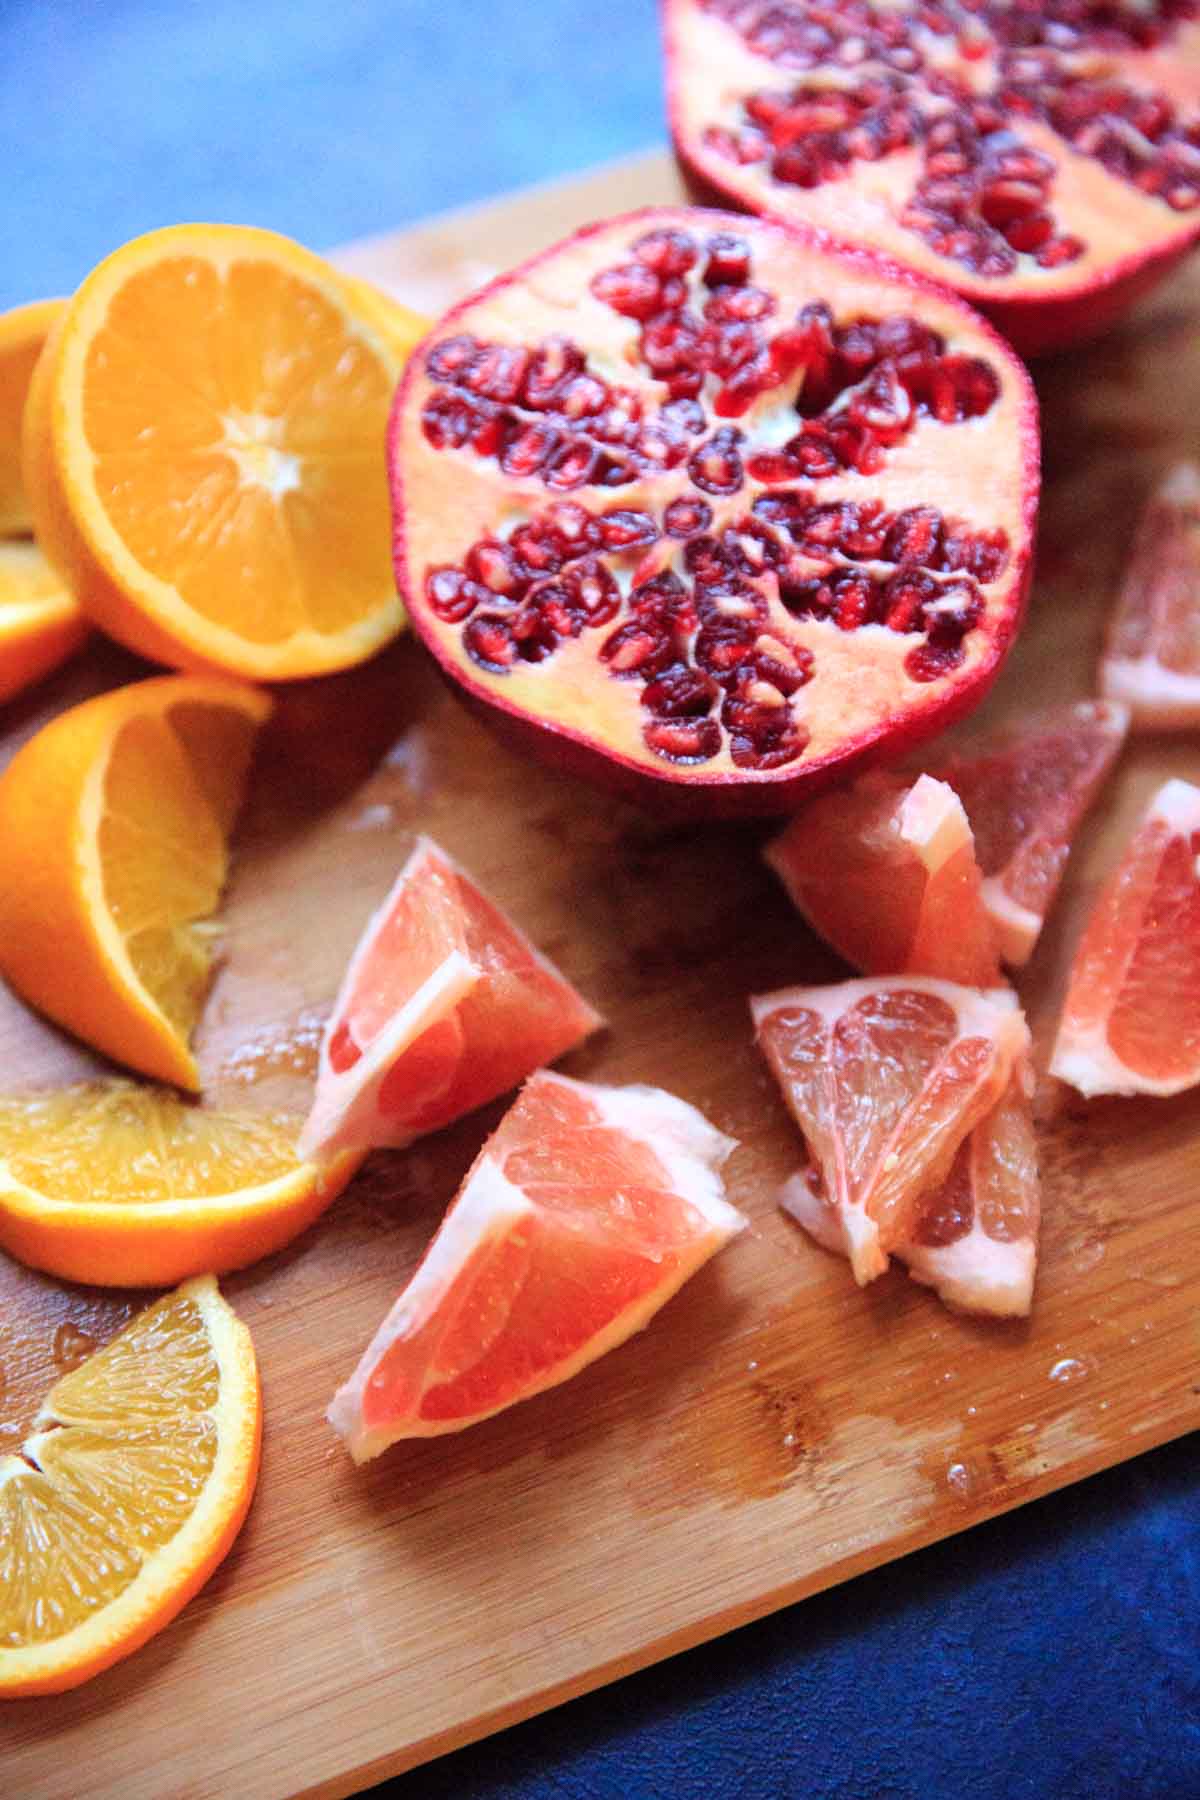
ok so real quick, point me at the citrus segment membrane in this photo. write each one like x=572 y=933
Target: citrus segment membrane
x=885 y=1078
x=1151 y=660
x=1131 y=1019
x=128 y=1492
x=885 y=871
x=1026 y=790
x=445 y=1005
x=585 y=1211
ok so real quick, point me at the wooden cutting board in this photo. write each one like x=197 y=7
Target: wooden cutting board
x=776 y=1430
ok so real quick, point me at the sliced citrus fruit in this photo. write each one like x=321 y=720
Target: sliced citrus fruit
x=23 y=332
x=1026 y=790
x=119 y=1185
x=584 y=1212
x=203 y=455
x=444 y=1006
x=885 y=1077
x=40 y=620
x=1151 y=659
x=129 y=1492
x=974 y=1238
x=114 y=822
x=398 y=324
x=885 y=871
x=1131 y=1019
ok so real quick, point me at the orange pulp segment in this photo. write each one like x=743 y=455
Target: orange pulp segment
x=23 y=332
x=584 y=1212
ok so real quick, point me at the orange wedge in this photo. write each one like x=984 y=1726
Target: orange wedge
x=584 y=1212
x=119 y=1185
x=886 y=1077
x=40 y=621
x=1131 y=1020
x=23 y=332
x=885 y=871
x=204 y=455
x=128 y=1493
x=114 y=822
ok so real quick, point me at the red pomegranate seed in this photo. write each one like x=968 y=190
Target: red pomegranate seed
x=578 y=529
x=1030 y=233
x=743 y=304
x=558 y=606
x=633 y=290
x=489 y=641
x=624 y=529
x=915 y=537
x=723 y=644
x=637 y=649
x=571 y=466
x=533 y=631
x=453 y=595
x=930 y=661
x=497 y=567
x=666 y=252
x=680 y=692
x=685 y=517
x=450 y=360
x=552 y=365
x=717 y=465
x=528 y=449
x=619 y=421
x=540 y=547
x=683 y=740
x=661 y=445
x=688 y=415
x=904 y=598
x=728 y=261
x=583 y=396
x=498 y=372
x=771 y=466
x=593 y=589
x=1059 y=251
x=446 y=420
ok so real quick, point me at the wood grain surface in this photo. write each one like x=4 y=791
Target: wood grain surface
x=775 y=1430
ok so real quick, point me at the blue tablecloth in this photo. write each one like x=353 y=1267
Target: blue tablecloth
x=1051 y=1655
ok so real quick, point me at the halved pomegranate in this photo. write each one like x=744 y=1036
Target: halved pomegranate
x=693 y=505
x=1043 y=159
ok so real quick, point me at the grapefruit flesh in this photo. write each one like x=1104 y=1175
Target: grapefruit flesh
x=1151 y=660
x=584 y=1212
x=885 y=871
x=444 y=1006
x=1131 y=1019
x=886 y=1077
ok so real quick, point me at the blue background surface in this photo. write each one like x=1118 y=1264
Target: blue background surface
x=1050 y=1655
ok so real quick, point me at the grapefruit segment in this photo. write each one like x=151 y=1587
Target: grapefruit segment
x=1151 y=660
x=444 y=1006
x=885 y=871
x=1131 y=1019
x=885 y=1078
x=584 y=1212
x=1026 y=791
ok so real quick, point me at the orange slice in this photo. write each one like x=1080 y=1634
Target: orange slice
x=23 y=332
x=114 y=821
x=398 y=324
x=885 y=871
x=885 y=1078
x=1026 y=791
x=204 y=455
x=584 y=1212
x=1151 y=660
x=128 y=1493
x=444 y=1006
x=40 y=621
x=118 y=1185
x=1131 y=1019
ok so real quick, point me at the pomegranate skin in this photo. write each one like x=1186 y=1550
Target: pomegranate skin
x=1075 y=313
x=687 y=792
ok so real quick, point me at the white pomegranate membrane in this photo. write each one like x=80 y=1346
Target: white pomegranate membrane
x=999 y=140
x=697 y=500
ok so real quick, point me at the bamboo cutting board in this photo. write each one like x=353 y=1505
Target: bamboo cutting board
x=775 y=1431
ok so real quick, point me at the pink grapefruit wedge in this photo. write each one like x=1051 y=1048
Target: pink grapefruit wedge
x=1151 y=660
x=584 y=1212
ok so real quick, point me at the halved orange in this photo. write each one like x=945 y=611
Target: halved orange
x=1151 y=659
x=885 y=871
x=445 y=1005
x=114 y=821
x=23 y=332
x=128 y=1493
x=119 y=1185
x=584 y=1212
x=1131 y=1020
x=40 y=620
x=204 y=455
x=885 y=1078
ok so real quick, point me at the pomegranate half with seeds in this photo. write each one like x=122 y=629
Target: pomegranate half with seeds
x=696 y=506
x=1040 y=156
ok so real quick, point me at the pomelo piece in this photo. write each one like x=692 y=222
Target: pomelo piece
x=885 y=1077
x=445 y=1005
x=885 y=871
x=1151 y=660
x=975 y=1237
x=584 y=1212
x=1131 y=1019
x=1026 y=791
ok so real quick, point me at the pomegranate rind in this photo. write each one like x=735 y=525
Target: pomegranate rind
x=1128 y=916
x=1037 y=310
x=881 y=870
x=584 y=730
x=1157 y=611
x=1026 y=791
x=346 y=1111
x=489 y=1208
x=877 y=1207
